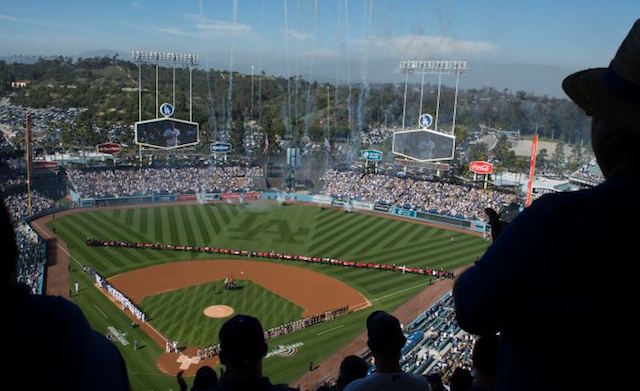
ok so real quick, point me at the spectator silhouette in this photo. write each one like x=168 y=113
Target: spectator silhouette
x=461 y=380
x=540 y=283
x=53 y=329
x=385 y=342
x=242 y=349
x=485 y=363
x=435 y=381
x=351 y=368
x=205 y=380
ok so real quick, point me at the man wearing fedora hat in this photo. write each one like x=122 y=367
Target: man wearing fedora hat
x=563 y=323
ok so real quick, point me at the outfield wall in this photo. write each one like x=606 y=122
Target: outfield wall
x=320 y=199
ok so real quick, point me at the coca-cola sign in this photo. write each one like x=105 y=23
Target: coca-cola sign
x=109 y=148
x=481 y=167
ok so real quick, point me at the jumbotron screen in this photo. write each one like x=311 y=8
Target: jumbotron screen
x=423 y=145
x=167 y=133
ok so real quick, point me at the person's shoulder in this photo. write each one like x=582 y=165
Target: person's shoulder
x=403 y=381
x=409 y=380
x=57 y=306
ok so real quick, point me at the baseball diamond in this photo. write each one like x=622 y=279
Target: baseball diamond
x=174 y=299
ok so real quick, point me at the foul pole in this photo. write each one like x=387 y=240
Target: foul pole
x=28 y=159
x=532 y=168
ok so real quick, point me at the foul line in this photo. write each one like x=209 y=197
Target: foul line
x=401 y=291
x=58 y=244
x=102 y=312
x=327 y=331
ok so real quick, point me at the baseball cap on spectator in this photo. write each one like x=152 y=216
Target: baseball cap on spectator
x=242 y=340
x=384 y=332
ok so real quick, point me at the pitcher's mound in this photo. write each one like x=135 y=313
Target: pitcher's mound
x=218 y=311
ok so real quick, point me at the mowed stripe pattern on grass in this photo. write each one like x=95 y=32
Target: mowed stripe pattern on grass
x=294 y=228
x=179 y=314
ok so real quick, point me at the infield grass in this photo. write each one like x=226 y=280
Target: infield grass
x=179 y=314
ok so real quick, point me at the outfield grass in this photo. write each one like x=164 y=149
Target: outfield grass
x=179 y=313
x=293 y=228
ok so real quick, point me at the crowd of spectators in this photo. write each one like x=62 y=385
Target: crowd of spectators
x=10 y=177
x=154 y=181
x=435 y=197
x=16 y=204
x=31 y=249
x=444 y=346
x=590 y=173
x=377 y=135
x=31 y=258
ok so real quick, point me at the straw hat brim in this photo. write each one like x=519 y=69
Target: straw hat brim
x=588 y=90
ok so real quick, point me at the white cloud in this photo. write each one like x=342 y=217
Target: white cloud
x=422 y=46
x=211 y=26
x=220 y=26
x=42 y=23
x=174 y=31
x=295 y=35
x=13 y=19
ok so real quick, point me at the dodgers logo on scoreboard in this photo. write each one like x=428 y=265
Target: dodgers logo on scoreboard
x=167 y=109
x=425 y=121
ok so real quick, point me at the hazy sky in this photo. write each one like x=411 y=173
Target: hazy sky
x=306 y=33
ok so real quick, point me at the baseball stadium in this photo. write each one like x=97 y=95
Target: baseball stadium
x=335 y=205
x=277 y=254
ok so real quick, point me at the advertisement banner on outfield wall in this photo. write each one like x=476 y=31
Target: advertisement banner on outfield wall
x=338 y=202
x=362 y=205
x=230 y=196
x=246 y=196
x=479 y=226
x=212 y=196
x=269 y=196
x=252 y=196
x=186 y=197
x=304 y=198
x=322 y=199
x=403 y=212
x=381 y=208
x=165 y=198
x=444 y=219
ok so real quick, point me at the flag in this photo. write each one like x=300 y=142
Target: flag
x=266 y=144
x=327 y=146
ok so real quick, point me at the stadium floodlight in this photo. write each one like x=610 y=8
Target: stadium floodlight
x=433 y=67
x=173 y=59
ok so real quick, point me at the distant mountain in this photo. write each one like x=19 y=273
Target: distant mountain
x=537 y=79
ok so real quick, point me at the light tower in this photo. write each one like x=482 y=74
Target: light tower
x=172 y=59
x=432 y=67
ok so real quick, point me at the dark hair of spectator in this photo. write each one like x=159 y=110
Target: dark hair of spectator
x=352 y=368
x=206 y=379
x=435 y=381
x=384 y=332
x=461 y=380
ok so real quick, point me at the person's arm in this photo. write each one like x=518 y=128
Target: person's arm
x=181 y=382
x=494 y=288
